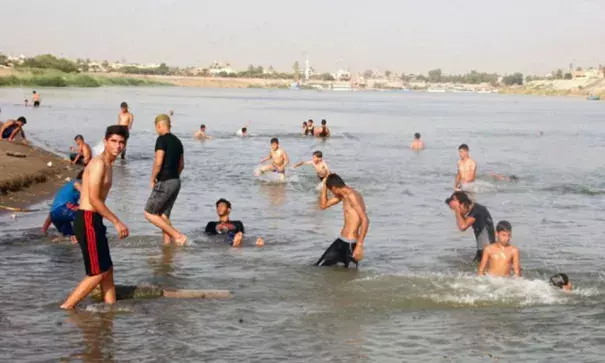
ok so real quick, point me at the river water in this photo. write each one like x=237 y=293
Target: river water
x=414 y=298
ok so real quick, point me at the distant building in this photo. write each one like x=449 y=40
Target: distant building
x=342 y=75
x=218 y=67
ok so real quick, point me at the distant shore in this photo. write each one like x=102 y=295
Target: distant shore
x=582 y=87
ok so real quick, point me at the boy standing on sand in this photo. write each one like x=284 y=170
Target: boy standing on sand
x=89 y=229
x=125 y=119
x=318 y=163
x=501 y=256
x=279 y=160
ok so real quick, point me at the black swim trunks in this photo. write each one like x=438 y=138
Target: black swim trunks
x=339 y=251
x=91 y=234
x=36 y=103
x=73 y=157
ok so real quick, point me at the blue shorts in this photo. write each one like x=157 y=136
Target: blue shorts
x=62 y=217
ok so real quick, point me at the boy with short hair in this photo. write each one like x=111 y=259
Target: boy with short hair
x=279 y=160
x=318 y=163
x=501 y=256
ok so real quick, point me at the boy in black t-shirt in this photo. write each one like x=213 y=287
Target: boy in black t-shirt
x=233 y=229
x=473 y=214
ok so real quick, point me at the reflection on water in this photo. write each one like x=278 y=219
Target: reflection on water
x=415 y=296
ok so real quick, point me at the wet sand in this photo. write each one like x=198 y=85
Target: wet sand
x=28 y=180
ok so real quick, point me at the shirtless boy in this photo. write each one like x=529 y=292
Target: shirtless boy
x=82 y=154
x=201 y=133
x=417 y=144
x=322 y=131
x=348 y=247
x=318 y=163
x=467 y=169
x=125 y=119
x=36 y=98
x=501 y=255
x=89 y=229
x=279 y=160
x=243 y=131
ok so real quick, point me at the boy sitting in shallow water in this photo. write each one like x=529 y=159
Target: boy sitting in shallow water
x=501 y=255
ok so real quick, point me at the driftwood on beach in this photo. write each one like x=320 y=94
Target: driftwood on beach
x=150 y=291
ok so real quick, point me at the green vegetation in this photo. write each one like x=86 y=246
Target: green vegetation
x=54 y=78
x=513 y=79
x=473 y=77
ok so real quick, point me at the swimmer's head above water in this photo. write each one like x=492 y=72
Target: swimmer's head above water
x=317 y=157
x=274 y=144
x=124 y=106
x=417 y=136
x=203 y=127
x=504 y=231
x=463 y=151
x=223 y=207
x=561 y=281
x=22 y=120
x=244 y=130
x=323 y=122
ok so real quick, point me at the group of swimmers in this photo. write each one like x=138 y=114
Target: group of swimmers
x=79 y=207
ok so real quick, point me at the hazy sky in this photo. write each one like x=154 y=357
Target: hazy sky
x=532 y=36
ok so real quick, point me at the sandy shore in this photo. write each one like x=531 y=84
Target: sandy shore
x=28 y=180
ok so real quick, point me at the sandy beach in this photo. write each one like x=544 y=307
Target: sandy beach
x=27 y=179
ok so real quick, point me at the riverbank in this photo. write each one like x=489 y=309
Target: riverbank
x=53 y=78
x=579 y=87
x=26 y=178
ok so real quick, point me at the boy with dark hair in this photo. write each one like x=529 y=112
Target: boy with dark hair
x=279 y=160
x=318 y=164
x=348 y=247
x=473 y=214
x=125 y=120
x=467 y=170
x=322 y=131
x=11 y=128
x=233 y=229
x=201 y=133
x=64 y=207
x=89 y=229
x=83 y=154
x=501 y=256
x=36 y=98
x=561 y=281
x=417 y=144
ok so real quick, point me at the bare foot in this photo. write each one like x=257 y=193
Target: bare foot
x=73 y=239
x=181 y=240
x=260 y=242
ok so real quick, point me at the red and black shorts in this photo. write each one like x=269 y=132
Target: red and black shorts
x=91 y=234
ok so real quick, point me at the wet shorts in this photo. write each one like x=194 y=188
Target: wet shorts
x=62 y=217
x=163 y=196
x=73 y=157
x=339 y=251
x=91 y=234
x=277 y=171
x=36 y=103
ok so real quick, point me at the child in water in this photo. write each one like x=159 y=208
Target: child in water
x=561 y=281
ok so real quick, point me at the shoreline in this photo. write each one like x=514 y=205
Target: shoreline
x=28 y=180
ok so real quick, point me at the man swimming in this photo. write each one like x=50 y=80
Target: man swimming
x=243 y=132
x=348 y=247
x=417 y=144
x=83 y=154
x=501 y=256
x=233 y=229
x=322 y=131
x=318 y=163
x=64 y=207
x=561 y=281
x=473 y=214
x=36 y=99
x=279 y=160
x=501 y=177
x=89 y=229
x=11 y=128
x=310 y=128
x=304 y=128
x=467 y=169
x=125 y=119
x=168 y=164
x=201 y=133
